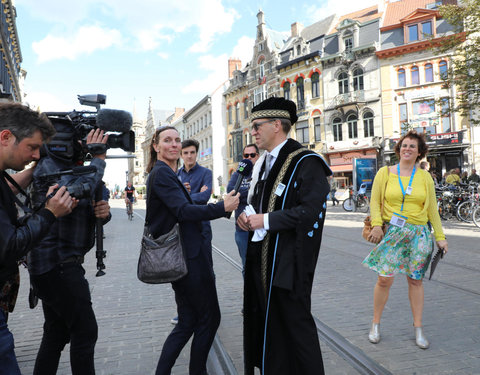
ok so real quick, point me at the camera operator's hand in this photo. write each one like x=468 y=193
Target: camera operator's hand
x=102 y=209
x=97 y=136
x=61 y=203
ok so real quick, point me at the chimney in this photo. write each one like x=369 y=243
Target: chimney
x=296 y=28
x=233 y=64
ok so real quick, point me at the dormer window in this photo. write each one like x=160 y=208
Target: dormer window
x=419 y=31
x=299 y=50
x=348 y=41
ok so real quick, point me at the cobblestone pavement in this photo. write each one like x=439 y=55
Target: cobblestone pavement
x=134 y=318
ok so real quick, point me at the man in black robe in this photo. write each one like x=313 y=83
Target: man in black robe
x=288 y=192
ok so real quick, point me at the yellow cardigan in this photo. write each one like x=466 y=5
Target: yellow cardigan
x=420 y=207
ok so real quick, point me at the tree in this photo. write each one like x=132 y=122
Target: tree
x=464 y=68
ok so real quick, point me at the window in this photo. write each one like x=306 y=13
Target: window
x=419 y=31
x=348 y=42
x=230 y=147
x=428 y=73
x=401 y=78
x=415 y=76
x=357 y=79
x=245 y=109
x=260 y=94
x=302 y=131
x=286 y=90
x=316 y=127
x=412 y=33
x=299 y=50
x=445 y=114
x=260 y=46
x=237 y=112
x=343 y=83
x=230 y=114
x=237 y=147
x=403 y=115
x=300 y=94
x=423 y=107
x=337 y=129
x=352 y=126
x=368 y=130
x=315 y=85
x=262 y=69
x=442 y=66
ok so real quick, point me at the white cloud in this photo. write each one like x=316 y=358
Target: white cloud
x=45 y=101
x=86 y=40
x=150 y=23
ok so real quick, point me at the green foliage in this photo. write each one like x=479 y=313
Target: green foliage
x=464 y=68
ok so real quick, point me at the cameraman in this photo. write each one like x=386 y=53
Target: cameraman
x=22 y=133
x=55 y=264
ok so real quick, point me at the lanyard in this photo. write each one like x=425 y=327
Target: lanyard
x=401 y=185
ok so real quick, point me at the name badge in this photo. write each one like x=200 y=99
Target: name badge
x=280 y=189
x=409 y=190
x=398 y=220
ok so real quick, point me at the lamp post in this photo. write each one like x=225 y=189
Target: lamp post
x=126 y=178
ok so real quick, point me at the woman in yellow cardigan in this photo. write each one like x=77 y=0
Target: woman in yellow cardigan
x=409 y=203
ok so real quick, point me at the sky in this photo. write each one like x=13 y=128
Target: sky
x=174 y=52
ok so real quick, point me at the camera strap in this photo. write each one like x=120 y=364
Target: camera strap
x=24 y=206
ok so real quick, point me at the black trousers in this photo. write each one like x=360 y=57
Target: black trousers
x=198 y=315
x=69 y=317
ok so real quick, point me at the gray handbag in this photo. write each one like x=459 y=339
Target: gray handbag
x=162 y=259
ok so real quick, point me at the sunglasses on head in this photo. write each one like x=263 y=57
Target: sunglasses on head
x=252 y=155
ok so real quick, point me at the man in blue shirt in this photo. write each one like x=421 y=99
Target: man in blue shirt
x=252 y=153
x=198 y=181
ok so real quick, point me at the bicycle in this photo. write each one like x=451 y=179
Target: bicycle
x=476 y=216
x=129 y=205
x=356 y=201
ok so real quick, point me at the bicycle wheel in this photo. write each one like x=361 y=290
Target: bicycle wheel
x=363 y=205
x=465 y=210
x=446 y=211
x=348 y=204
x=476 y=216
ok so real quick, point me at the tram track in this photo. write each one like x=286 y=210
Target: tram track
x=355 y=357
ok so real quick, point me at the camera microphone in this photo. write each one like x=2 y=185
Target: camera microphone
x=114 y=120
x=244 y=169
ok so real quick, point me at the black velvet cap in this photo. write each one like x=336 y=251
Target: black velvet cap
x=275 y=108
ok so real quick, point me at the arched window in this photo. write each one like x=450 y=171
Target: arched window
x=414 y=75
x=358 y=79
x=315 y=85
x=237 y=113
x=443 y=69
x=368 y=129
x=343 y=83
x=337 y=129
x=262 y=68
x=428 y=73
x=300 y=94
x=401 y=78
x=352 y=126
x=286 y=90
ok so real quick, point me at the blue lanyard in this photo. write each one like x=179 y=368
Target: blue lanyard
x=401 y=185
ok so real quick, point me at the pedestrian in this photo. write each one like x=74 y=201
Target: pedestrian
x=464 y=177
x=423 y=165
x=55 y=262
x=168 y=202
x=288 y=192
x=252 y=153
x=453 y=177
x=333 y=190
x=407 y=194
x=474 y=177
x=22 y=133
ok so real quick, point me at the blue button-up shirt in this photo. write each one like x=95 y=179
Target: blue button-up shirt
x=197 y=177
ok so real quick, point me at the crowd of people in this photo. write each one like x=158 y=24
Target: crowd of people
x=280 y=209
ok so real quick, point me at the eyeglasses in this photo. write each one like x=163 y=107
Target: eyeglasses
x=256 y=125
x=252 y=155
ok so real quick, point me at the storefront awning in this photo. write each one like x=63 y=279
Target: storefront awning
x=341 y=168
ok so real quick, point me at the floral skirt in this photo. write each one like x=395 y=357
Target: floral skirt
x=406 y=250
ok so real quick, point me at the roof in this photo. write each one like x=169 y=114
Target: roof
x=361 y=16
x=318 y=28
x=398 y=10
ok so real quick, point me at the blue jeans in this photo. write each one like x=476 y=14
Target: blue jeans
x=8 y=361
x=241 y=239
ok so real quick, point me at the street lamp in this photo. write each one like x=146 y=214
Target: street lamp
x=126 y=177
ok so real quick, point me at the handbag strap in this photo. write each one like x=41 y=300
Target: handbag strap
x=384 y=192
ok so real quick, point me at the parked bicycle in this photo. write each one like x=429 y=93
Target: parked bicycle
x=357 y=201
